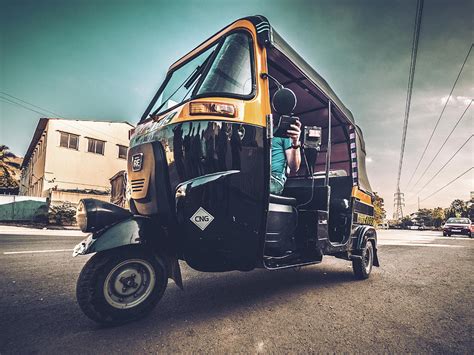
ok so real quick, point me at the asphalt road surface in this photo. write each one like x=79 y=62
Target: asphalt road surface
x=419 y=300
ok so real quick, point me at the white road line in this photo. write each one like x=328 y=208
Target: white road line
x=425 y=238
x=404 y=244
x=36 y=251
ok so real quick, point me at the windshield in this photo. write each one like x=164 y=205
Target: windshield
x=229 y=71
x=458 y=220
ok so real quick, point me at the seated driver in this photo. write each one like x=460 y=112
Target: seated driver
x=285 y=152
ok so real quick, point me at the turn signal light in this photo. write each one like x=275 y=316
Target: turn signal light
x=212 y=108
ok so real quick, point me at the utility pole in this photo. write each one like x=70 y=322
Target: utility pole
x=399 y=203
x=399 y=200
x=418 y=203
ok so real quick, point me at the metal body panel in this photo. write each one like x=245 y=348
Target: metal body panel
x=216 y=166
x=123 y=233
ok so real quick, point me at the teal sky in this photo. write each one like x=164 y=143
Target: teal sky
x=105 y=59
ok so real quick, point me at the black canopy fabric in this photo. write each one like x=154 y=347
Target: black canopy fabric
x=281 y=45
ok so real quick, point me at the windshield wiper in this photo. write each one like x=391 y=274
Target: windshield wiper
x=188 y=83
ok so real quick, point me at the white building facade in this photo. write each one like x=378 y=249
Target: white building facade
x=72 y=159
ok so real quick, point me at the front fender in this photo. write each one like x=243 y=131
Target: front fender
x=134 y=230
x=126 y=232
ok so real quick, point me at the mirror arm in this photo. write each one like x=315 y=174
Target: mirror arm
x=266 y=76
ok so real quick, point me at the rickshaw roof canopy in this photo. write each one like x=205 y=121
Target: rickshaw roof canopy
x=281 y=45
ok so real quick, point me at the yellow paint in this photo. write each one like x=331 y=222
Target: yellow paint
x=362 y=196
x=365 y=219
x=252 y=111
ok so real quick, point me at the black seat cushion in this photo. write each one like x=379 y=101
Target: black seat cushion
x=282 y=200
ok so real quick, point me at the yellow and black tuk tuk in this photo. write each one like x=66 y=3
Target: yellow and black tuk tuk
x=199 y=167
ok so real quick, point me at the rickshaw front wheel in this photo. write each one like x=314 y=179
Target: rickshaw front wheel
x=363 y=266
x=120 y=285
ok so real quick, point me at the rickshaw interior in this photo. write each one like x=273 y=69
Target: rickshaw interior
x=306 y=191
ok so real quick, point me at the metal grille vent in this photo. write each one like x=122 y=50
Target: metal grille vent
x=137 y=185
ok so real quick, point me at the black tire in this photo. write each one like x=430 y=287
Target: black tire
x=363 y=266
x=445 y=234
x=103 y=304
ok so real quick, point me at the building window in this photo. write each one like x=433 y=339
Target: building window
x=122 y=151
x=95 y=146
x=69 y=140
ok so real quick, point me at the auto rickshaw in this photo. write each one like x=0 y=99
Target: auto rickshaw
x=199 y=168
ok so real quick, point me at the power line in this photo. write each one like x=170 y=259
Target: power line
x=29 y=103
x=449 y=183
x=439 y=118
x=56 y=114
x=439 y=150
x=452 y=157
x=398 y=196
x=95 y=130
x=414 y=50
x=20 y=105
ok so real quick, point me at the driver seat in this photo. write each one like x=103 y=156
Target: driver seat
x=283 y=200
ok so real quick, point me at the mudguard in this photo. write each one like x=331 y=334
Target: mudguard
x=364 y=234
x=134 y=230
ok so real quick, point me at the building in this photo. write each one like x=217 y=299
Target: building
x=72 y=159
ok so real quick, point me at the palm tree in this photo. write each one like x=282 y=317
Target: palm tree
x=7 y=168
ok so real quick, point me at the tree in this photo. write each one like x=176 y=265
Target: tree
x=438 y=216
x=470 y=208
x=458 y=208
x=406 y=222
x=7 y=168
x=425 y=216
x=379 y=209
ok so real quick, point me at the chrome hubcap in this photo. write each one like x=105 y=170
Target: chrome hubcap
x=129 y=283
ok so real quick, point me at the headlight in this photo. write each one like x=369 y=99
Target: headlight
x=93 y=215
x=81 y=216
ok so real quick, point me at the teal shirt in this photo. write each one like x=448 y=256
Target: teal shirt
x=279 y=146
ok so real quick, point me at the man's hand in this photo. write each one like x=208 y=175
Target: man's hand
x=294 y=132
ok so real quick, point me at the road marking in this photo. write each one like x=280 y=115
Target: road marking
x=36 y=251
x=405 y=244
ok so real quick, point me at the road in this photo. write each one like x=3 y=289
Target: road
x=419 y=300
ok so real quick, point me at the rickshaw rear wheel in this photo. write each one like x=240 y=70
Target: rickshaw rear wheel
x=121 y=285
x=363 y=266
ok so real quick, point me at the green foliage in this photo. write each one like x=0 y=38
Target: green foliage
x=7 y=168
x=379 y=209
x=63 y=214
x=458 y=208
x=425 y=216
x=438 y=216
x=406 y=222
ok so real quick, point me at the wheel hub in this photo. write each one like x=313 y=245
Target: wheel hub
x=368 y=259
x=129 y=283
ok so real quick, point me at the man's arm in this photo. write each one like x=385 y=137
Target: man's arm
x=293 y=155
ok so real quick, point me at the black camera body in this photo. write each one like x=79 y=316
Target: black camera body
x=282 y=124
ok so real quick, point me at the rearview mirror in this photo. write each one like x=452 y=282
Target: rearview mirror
x=284 y=101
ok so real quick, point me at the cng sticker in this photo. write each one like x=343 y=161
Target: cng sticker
x=202 y=218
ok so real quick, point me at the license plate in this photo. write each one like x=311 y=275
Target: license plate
x=137 y=162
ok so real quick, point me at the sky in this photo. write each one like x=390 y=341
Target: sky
x=105 y=59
